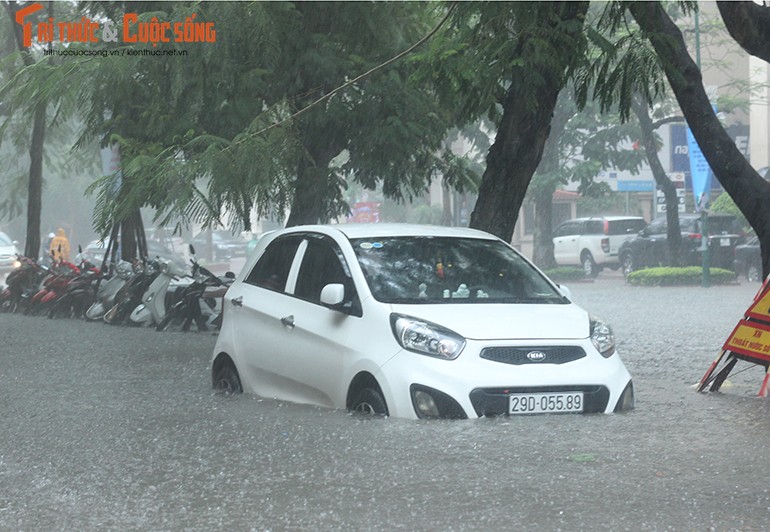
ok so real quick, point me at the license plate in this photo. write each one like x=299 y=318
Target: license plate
x=541 y=403
x=724 y=241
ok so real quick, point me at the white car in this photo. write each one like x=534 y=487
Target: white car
x=413 y=322
x=8 y=254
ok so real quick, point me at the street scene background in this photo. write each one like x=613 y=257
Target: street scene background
x=117 y=428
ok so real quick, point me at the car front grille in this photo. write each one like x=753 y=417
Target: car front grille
x=494 y=401
x=533 y=355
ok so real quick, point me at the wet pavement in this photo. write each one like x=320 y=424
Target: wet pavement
x=113 y=428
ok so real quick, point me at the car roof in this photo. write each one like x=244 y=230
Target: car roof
x=608 y=218
x=379 y=230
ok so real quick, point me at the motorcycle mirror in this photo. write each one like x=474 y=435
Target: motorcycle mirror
x=192 y=249
x=80 y=248
x=230 y=275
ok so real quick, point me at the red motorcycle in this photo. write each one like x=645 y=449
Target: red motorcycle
x=54 y=286
x=79 y=293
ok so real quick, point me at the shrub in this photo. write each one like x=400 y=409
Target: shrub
x=689 y=276
x=565 y=274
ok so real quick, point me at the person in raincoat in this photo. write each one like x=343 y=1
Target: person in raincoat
x=60 y=246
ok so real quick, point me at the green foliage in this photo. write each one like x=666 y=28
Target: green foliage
x=689 y=276
x=724 y=203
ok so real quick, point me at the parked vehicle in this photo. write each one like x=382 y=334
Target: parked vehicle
x=415 y=322
x=8 y=254
x=225 y=245
x=152 y=308
x=593 y=243
x=650 y=247
x=95 y=250
x=78 y=294
x=748 y=260
x=200 y=301
x=130 y=295
x=22 y=284
x=108 y=288
x=53 y=287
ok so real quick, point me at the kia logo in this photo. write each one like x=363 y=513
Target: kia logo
x=536 y=356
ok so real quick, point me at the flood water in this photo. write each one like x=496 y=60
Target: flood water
x=113 y=428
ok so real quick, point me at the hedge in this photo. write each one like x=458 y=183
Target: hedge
x=689 y=276
x=565 y=274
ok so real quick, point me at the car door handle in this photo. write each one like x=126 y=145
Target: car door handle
x=237 y=301
x=288 y=321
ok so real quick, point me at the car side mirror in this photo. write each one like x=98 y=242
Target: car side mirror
x=565 y=291
x=332 y=295
x=230 y=275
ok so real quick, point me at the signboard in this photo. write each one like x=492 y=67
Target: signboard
x=636 y=185
x=749 y=341
x=760 y=309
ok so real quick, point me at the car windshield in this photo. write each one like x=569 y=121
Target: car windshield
x=430 y=270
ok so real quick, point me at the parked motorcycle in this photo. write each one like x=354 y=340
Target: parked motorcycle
x=21 y=284
x=54 y=286
x=199 y=302
x=108 y=288
x=79 y=292
x=152 y=309
x=130 y=295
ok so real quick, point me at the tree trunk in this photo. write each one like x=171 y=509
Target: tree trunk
x=673 y=230
x=525 y=124
x=749 y=191
x=542 y=254
x=37 y=143
x=749 y=24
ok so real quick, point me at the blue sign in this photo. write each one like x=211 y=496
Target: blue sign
x=700 y=173
x=636 y=185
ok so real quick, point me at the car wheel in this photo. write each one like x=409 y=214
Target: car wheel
x=628 y=264
x=369 y=402
x=225 y=378
x=589 y=265
x=754 y=273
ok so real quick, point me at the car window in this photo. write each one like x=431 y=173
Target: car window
x=626 y=227
x=272 y=269
x=657 y=227
x=594 y=227
x=322 y=264
x=723 y=225
x=567 y=228
x=419 y=270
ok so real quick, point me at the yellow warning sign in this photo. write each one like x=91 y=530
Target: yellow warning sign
x=750 y=339
x=760 y=310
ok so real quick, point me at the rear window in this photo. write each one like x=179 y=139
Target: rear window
x=724 y=225
x=626 y=227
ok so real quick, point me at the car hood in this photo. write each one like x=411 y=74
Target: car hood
x=505 y=321
x=8 y=250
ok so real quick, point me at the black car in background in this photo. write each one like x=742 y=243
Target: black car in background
x=225 y=245
x=650 y=247
x=748 y=260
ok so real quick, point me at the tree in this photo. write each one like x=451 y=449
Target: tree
x=37 y=139
x=750 y=192
x=580 y=145
x=549 y=42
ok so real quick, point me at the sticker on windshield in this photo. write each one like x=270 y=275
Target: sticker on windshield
x=366 y=245
x=376 y=245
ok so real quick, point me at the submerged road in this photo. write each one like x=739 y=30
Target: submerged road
x=113 y=428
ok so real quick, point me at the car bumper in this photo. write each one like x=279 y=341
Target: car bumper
x=480 y=387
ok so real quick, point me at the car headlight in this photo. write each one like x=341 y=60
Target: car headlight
x=602 y=337
x=425 y=338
